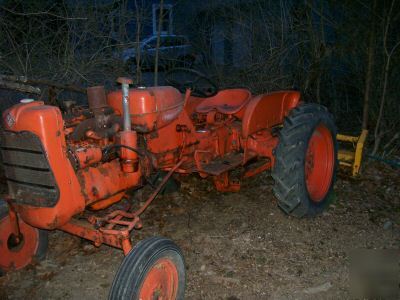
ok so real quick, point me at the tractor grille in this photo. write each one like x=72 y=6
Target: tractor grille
x=27 y=170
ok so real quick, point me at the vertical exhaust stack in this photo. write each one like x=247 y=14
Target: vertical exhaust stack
x=127 y=138
x=97 y=99
x=125 y=82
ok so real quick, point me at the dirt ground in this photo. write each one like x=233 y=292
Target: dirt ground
x=236 y=245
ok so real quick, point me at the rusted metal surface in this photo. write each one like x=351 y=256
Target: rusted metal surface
x=106 y=180
x=225 y=184
x=114 y=229
x=46 y=123
x=256 y=168
x=96 y=98
x=215 y=133
x=90 y=158
x=29 y=176
x=88 y=231
x=223 y=164
x=129 y=158
x=24 y=158
x=102 y=204
x=86 y=156
x=94 y=128
x=24 y=140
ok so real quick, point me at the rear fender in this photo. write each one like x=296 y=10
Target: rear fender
x=268 y=110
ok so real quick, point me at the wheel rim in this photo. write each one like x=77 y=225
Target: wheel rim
x=319 y=163
x=161 y=282
x=17 y=255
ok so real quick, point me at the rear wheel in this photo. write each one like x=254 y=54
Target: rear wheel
x=154 y=269
x=18 y=253
x=305 y=161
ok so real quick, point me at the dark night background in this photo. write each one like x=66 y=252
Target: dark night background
x=342 y=54
x=337 y=53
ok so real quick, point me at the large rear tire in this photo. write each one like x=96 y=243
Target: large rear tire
x=153 y=269
x=305 y=161
x=31 y=247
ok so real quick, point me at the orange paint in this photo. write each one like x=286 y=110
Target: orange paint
x=87 y=156
x=171 y=132
x=129 y=157
x=150 y=108
x=10 y=259
x=162 y=280
x=106 y=180
x=320 y=161
x=268 y=110
x=46 y=122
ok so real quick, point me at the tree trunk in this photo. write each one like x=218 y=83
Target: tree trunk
x=20 y=87
x=160 y=20
x=137 y=40
x=388 y=55
x=368 y=75
x=377 y=131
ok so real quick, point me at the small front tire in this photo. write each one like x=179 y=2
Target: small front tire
x=153 y=269
x=31 y=247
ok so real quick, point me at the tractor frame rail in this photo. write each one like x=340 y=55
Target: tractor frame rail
x=114 y=228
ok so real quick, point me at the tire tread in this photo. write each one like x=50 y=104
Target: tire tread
x=288 y=172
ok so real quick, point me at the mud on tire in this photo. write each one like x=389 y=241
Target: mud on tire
x=305 y=161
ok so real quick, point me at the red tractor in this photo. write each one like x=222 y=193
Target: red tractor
x=63 y=168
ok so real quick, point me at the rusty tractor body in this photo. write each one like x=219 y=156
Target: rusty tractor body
x=59 y=165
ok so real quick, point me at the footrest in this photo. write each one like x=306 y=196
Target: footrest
x=223 y=164
x=118 y=221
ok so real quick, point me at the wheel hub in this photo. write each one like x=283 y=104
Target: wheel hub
x=161 y=282
x=319 y=163
x=17 y=252
x=15 y=243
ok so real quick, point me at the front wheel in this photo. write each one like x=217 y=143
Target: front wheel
x=32 y=244
x=153 y=269
x=305 y=161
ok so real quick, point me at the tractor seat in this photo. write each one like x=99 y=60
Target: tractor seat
x=227 y=102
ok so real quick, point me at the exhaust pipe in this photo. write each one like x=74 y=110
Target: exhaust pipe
x=127 y=138
x=125 y=82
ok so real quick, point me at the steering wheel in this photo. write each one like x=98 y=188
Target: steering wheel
x=200 y=84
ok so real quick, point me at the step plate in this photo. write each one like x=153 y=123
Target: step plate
x=223 y=164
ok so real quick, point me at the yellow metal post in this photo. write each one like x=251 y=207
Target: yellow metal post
x=349 y=158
